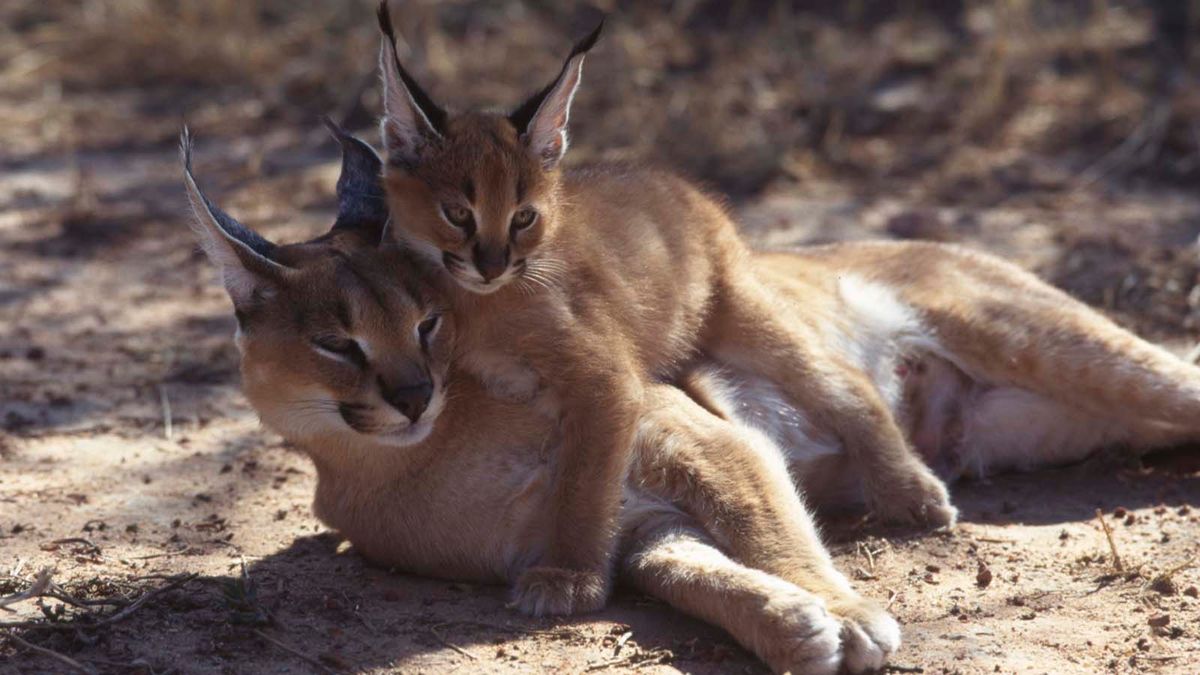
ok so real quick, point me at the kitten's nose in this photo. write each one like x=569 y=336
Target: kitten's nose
x=491 y=262
x=410 y=399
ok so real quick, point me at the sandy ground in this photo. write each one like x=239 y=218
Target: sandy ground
x=106 y=331
x=180 y=531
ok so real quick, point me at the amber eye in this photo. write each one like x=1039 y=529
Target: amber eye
x=459 y=216
x=524 y=218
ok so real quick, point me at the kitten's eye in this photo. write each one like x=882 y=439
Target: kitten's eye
x=426 y=328
x=341 y=347
x=459 y=216
x=524 y=218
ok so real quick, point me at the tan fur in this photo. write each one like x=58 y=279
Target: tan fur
x=625 y=275
x=1018 y=373
x=470 y=500
x=709 y=521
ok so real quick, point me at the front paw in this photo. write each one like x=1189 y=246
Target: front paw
x=800 y=635
x=869 y=634
x=917 y=498
x=540 y=591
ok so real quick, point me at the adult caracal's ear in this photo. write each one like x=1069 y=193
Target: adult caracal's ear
x=542 y=120
x=362 y=203
x=411 y=120
x=243 y=256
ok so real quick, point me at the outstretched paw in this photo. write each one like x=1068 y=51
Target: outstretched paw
x=869 y=634
x=801 y=636
x=540 y=591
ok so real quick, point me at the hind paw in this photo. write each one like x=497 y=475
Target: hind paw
x=919 y=498
x=541 y=591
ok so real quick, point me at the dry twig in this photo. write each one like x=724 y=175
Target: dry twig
x=39 y=586
x=294 y=652
x=1112 y=545
x=451 y=645
x=61 y=658
x=168 y=426
x=120 y=615
x=635 y=660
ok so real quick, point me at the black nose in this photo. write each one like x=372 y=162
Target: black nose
x=491 y=262
x=410 y=399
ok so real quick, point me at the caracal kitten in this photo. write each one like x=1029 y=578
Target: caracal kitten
x=352 y=362
x=590 y=284
x=597 y=280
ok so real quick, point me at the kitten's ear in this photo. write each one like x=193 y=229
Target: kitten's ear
x=243 y=256
x=411 y=120
x=362 y=204
x=542 y=120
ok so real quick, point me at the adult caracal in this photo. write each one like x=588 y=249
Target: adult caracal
x=591 y=283
x=344 y=359
x=984 y=366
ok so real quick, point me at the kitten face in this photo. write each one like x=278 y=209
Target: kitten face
x=478 y=204
x=475 y=192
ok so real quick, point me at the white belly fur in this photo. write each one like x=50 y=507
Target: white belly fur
x=965 y=427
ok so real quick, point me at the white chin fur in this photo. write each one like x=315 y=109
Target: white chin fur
x=410 y=436
x=480 y=288
x=416 y=433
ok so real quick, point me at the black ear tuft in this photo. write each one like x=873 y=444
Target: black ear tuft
x=432 y=112
x=585 y=45
x=362 y=204
x=523 y=115
x=227 y=223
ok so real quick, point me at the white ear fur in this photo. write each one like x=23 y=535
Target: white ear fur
x=243 y=270
x=405 y=128
x=546 y=136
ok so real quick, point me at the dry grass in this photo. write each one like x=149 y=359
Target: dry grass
x=739 y=93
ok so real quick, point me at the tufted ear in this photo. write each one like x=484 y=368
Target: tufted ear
x=411 y=120
x=542 y=120
x=362 y=204
x=243 y=256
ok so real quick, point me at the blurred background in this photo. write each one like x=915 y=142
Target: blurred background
x=818 y=119
x=1061 y=134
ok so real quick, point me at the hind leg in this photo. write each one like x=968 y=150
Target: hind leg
x=792 y=630
x=1006 y=327
x=837 y=396
x=1012 y=429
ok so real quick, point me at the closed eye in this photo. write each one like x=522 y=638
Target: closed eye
x=427 y=328
x=340 y=348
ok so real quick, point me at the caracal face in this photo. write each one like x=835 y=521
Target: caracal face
x=336 y=347
x=477 y=192
x=342 y=352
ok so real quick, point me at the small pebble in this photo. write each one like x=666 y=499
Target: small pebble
x=983 y=575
